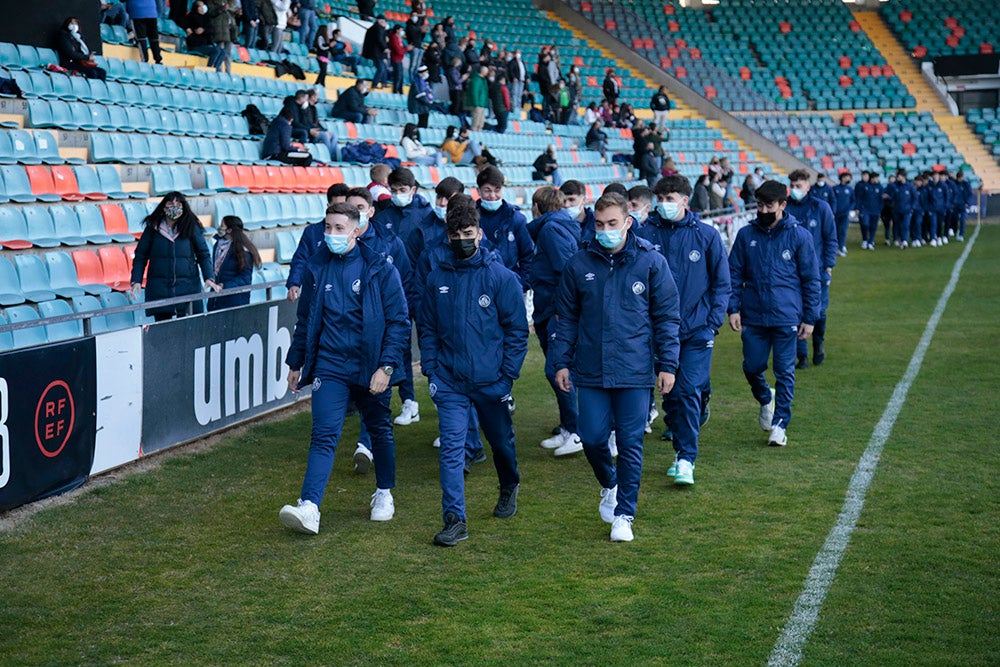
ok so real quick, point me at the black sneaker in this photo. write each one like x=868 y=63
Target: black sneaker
x=507 y=503
x=802 y=363
x=556 y=430
x=454 y=531
x=819 y=354
x=667 y=435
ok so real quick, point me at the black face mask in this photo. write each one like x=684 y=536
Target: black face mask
x=766 y=219
x=463 y=248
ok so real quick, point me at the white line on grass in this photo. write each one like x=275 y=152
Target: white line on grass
x=788 y=649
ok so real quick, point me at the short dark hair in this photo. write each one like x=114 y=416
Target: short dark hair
x=572 y=187
x=798 y=175
x=346 y=210
x=402 y=176
x=462 y=213
x=616 y=187
x=449 y=187
x=490 y=176
x=639 y=192
x=363 y=193
x=612 y=200
x=673 y=183
x=770 y=192
x=336 y=190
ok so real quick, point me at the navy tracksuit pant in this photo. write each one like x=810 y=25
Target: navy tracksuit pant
x=684 y=403
x=453 y=406
x=329 y=407
x=758 y=344
x=843 y=222
x=819 y=332
x=566 y=400
x=627 y=410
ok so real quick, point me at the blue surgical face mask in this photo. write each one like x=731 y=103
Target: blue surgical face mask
x=797 y=194
x=337 y=243
x=610 y=238
x=402 y=201
x=491 y=205
x=362 y=221
x=441 y=212
x=668 y=210
x=640 y=215
x=574 y=211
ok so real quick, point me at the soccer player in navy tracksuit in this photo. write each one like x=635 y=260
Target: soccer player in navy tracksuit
x=349 y=337
x=311 y=241
x=504 y=225
x=700 y=269
x=428 y=231
x=822 y=190
x=473 y=340
x=558 y=240
x=937 y=205
x=815 y=216
x=904 y=198
x=618 y=319
x=964 y=199
x=843 y=204
x=407 y=210
x=868 y=199
x=775 y=300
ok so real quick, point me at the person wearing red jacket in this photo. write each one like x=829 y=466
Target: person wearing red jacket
x=397 y=53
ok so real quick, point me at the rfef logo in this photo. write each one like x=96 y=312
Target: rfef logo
x=54 y=418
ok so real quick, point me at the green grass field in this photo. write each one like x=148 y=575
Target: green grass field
x=187 y=564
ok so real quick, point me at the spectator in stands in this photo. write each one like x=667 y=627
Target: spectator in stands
x=561 y=103
x=339 y=52
x=379 y=186
x=775 y=300
x=224 y=31
x=416 y=30
x=517 y=76
x=366 y=9
x=282 y=10
x=660 y=105
x=597 y=139
x=460 y=145
x=234 y=258
x=499 y=100
x=547 y=75
x=590 y=115
x=746 y=192
x=397 y=54
x=657 y=138
x=74 y=54
x=376 y=49
x=546 y=167
x=606 y=114
x=700 y=268
x=700 y=200
x=477 y=97
x=268 y=26
x=448 y=355
x=669 y=168
x=278 y=144
x=416 y=151
x=610 y=88
x=456 y=88
x=317 y=133
x=350 y=104
x=557 y=238
x=646 y=163
x=144 y=14
x=626 y=117
x=113 y=13
x=574 y=84
x=309 y=24
x=432 y=58
x=716 y=191
x=251 y=22
x=173 y=248
x=198 y=28
x=343 y=363
x=612 y=373
x=469 y=54
x=420 y=99
x=321 y=45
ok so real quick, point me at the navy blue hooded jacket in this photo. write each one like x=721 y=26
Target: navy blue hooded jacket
x=937 y=197
x=843 y=199
x=430 y=259
x=815 y=216
x=391 y=247
x=401 y=221
x=310 y=241
x=824 y=193
x=507 y=231
x=774 y=275
x=699 y=267
x=425 y=234
x=386 y=327
x=617 y=317
x=868 y=197
x=473 y=324
x=558 y=240
x=903 y=196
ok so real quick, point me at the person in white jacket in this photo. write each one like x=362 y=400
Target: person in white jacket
x=416 y=151
x=281 y=8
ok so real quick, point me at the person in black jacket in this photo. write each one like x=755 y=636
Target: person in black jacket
x=278 y=144
x=366 y=9
x=198 y=28
x=234 y=258
x=416 y=29
x=173 y=248
x=350 y=105
x=597 y=139
x=376 y=49
x=611 y=88
x=545 y=165
x=660 y=106
x=74 y=53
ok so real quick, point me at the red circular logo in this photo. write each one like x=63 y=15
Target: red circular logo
x=54 y=418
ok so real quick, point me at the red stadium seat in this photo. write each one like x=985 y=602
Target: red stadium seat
x=868 y=129
x=681 y=43
x=848 y=119
x=648 y=43
x=114 y=219
x=785 y=27
x=920 y=51
x=695 y=53
x=863 y=71
x=115 y=266
x=673 y=26
x=88 y=267
x=352 y=130
x=952 y=40
x=844 y=62
x=669 y=10
x=809 y=151
x=586 y=7
x=610 y=25
x=887 y=70
x=906 y=16
x=129 y=251
x=951 y=22
x=875 y=71
x=854 y=26
x=845 y=81
x=637 y=43
x=909 y=148
x=681 y=72
x=793 y=141
x=985 y=48
x=435 y=177
x=666 y=63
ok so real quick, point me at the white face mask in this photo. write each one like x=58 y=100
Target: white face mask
x=362 y=221
x=574 y=211
x=305 y=105
x=797 y=194
x=441 y=212
x=74 y=28
x=492 y=205
x=669 y=210
x=403 y=200
x=202 y=9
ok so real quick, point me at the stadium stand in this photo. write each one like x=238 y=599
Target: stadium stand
x=932 y=28
x=986 y=124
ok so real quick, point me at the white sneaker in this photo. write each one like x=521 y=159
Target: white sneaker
x=571 y=445
x=437 y=442
x=960 y=237
x=934 y=243
x=409 y=415
x=904 y=245
x=943 y=241
x=951 y=232
x=685 y=473
x=613 y=444
x=621 y=529
x=609 y=501
x=653 y=414
x=303 y=518
x=555 y=441
x=888 y=242
x=766 y=414
x=383 y=507
x=362 y=459
x=778 y=438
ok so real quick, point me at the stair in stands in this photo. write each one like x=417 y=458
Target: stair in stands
x=955 y=127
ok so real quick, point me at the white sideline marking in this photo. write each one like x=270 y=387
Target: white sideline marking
x=799 y=627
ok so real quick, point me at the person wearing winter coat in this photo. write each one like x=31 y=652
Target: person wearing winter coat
x=617 y=312
x=416 y=151
x=74 y=54
x=268 y=27
x=170 y=253
x=144 y=14
x=198 y=28
x=504 y=226
x=397 y=54
x=472 y=291
x=351 y=330
x=224 y=31
x=660 y=105
x=775 y=300
x=234 y=257
x=477 y=97
x=376 y=49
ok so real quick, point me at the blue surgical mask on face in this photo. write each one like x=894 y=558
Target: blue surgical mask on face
x=492 y=205
x=610 y=238
x=441 y=212
x=797 y=194
x=362 y=221
x=668 y=210
x=402 y=201
x=574 y=211
x=337 y=243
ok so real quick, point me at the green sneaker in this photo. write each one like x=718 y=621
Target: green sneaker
x=685 y=473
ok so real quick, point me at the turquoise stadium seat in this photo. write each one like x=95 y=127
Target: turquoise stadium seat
x=90 y=304
x=61 y=330
x=26 y=337
x=34 y=278
x=10 y=285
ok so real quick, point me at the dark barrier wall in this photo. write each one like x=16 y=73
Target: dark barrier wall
x=967 y=65
x=37 y=23
x=47 y=420
x=206 y=372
